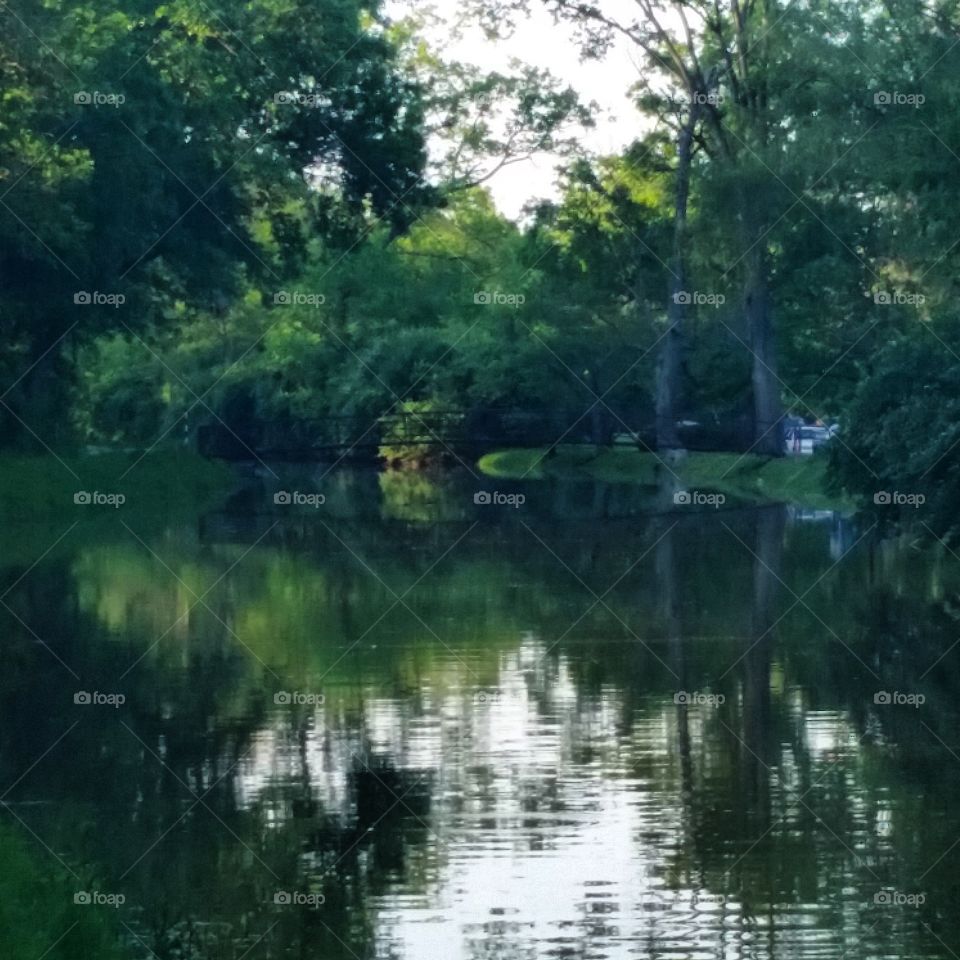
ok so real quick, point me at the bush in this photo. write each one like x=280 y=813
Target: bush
x=900 y=440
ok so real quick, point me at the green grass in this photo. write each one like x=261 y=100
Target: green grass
x=43 y=487
x=39 y=516
x=800 y=480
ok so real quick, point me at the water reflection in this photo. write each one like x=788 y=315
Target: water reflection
x=477 y=735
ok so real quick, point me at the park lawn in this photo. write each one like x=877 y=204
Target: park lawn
x=37 y=493
x=38 y=511
x=800 y=480
x=43 y=486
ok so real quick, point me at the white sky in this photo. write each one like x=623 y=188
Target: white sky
x=543 y=43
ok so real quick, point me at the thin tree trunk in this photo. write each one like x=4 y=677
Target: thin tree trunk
x=597 y=436
x=767 y=403
x=670 y=363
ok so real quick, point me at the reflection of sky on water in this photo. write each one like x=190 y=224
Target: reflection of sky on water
x=843 y=533
x=554 y=830
x=537 y=847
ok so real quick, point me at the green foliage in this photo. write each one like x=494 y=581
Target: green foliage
x=37 y=911
x=164 y=155
x=900 y=436
x=260 y=190
x=412 y=437
x=398 y=322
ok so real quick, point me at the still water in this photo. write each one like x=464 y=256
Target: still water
x=402 y=724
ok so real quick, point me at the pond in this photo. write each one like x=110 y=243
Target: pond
x=406 y=720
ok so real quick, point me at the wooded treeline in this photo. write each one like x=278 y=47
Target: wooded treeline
x=279 y=210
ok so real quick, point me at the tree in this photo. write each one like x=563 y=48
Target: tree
x=718 y=62
x=163 y=155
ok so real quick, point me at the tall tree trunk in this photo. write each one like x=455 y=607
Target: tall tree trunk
x=597 y=434
x=767 y=404
x=670 y=362
x=753 y=58
x=39 y=399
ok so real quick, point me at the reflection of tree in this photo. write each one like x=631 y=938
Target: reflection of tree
x=758 y=733
x=759 y=755
x=668 y=581
x=38 y=916
x=417 y=496
x=370 y=798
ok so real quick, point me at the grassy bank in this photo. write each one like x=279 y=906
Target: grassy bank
x=43 y=488
x=800 y=480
